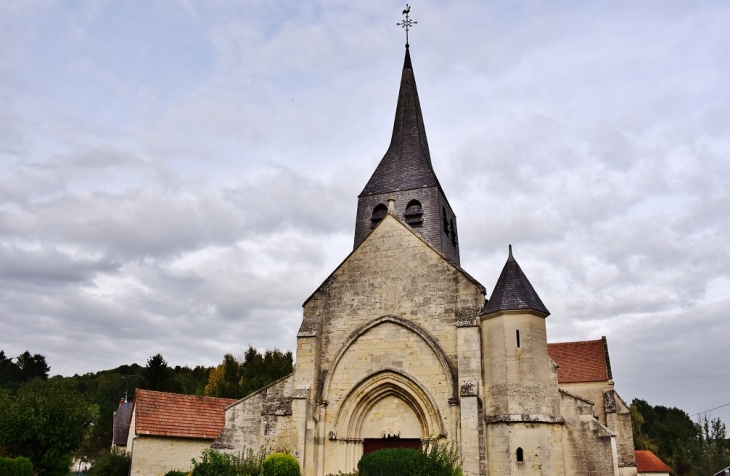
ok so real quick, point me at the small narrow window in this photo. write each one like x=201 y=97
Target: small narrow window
x=453 y=233
x=446 y=221
x=520 y=456
x=378 y=214
x=518 y=339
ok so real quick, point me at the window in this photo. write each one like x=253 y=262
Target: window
x=379 y=213
x=414 y=213
x=518 y=339
x=520 y=456
x=453 y=233
x=446 y=221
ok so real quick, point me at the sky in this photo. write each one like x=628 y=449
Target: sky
x=177 y=177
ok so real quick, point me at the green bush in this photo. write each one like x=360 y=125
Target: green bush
x=434 y=459
x=213 y=463
x=16 y=467
x=176 y=473
x=280 y=464
x=114 y=463
x=437 y=459
x=388 y=462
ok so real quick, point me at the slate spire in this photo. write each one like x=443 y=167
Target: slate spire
x=407 y=163
x=405 y=173
x=513 y=291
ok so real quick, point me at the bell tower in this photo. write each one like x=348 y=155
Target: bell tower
x=406 y=174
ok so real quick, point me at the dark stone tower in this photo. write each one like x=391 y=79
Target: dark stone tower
x=406 y=174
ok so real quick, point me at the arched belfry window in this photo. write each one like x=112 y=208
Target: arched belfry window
x=446 y=221
x=414 y=213
x=379 y=213
x=520 y=455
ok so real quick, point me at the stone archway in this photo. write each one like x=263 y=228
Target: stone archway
x=386 y=405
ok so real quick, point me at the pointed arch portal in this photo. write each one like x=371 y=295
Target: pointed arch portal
x=385 y=409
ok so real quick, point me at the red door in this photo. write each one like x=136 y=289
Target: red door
x=374 y=444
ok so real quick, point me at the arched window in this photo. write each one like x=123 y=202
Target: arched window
x=379 y=213
x=520 y=456
x=414 y=213
x=446 y=221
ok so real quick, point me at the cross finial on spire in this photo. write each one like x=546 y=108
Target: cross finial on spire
x=407 y=23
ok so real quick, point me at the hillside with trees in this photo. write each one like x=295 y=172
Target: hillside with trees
x=692 y=448
x=82 y=407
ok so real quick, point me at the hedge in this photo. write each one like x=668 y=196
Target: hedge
x=15 y=467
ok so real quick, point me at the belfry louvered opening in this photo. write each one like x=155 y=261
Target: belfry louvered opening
x=379 y=213
x=414 y=213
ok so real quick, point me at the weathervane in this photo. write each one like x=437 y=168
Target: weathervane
x=407 y=23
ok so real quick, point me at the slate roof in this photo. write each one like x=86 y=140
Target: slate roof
x=407 y=163
x=183 y=416
x=513 y=291
x=648 y=462
x=122 y=418
x=585 y=361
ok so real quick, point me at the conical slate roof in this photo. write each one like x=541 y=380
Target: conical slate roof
x=407 y=163
x=513 y=291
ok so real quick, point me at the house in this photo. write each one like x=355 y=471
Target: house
x=649 y=464
x=168 y=430
x=120 y=424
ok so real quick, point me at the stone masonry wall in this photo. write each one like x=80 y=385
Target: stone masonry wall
x=517 y=380
x=260 y=419
x=541 y=446
x=588 y=446
x=392 y=273
x=392 y=346
x=618 y=415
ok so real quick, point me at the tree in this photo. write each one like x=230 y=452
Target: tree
x=235 y=379
x=689 y=448
x=641 y=439
x=32 y=366
x=259 y=370
x=9 y=372
x=713 y=443
x=44 y=422
x=225 y=380
x=157 y=375
x=114 y=463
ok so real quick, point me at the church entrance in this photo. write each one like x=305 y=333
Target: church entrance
x=375 y=444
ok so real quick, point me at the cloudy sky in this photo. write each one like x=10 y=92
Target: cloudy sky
x=178 y=176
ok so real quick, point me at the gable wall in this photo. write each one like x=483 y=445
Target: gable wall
x=261 y=419
x=392 y=273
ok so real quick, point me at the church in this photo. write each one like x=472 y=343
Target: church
x=400 y=344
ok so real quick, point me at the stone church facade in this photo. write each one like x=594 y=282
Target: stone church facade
x=400 y=344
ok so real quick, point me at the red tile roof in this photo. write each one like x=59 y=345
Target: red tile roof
x=580 y=361
x=648 y=462
x=184 y=416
